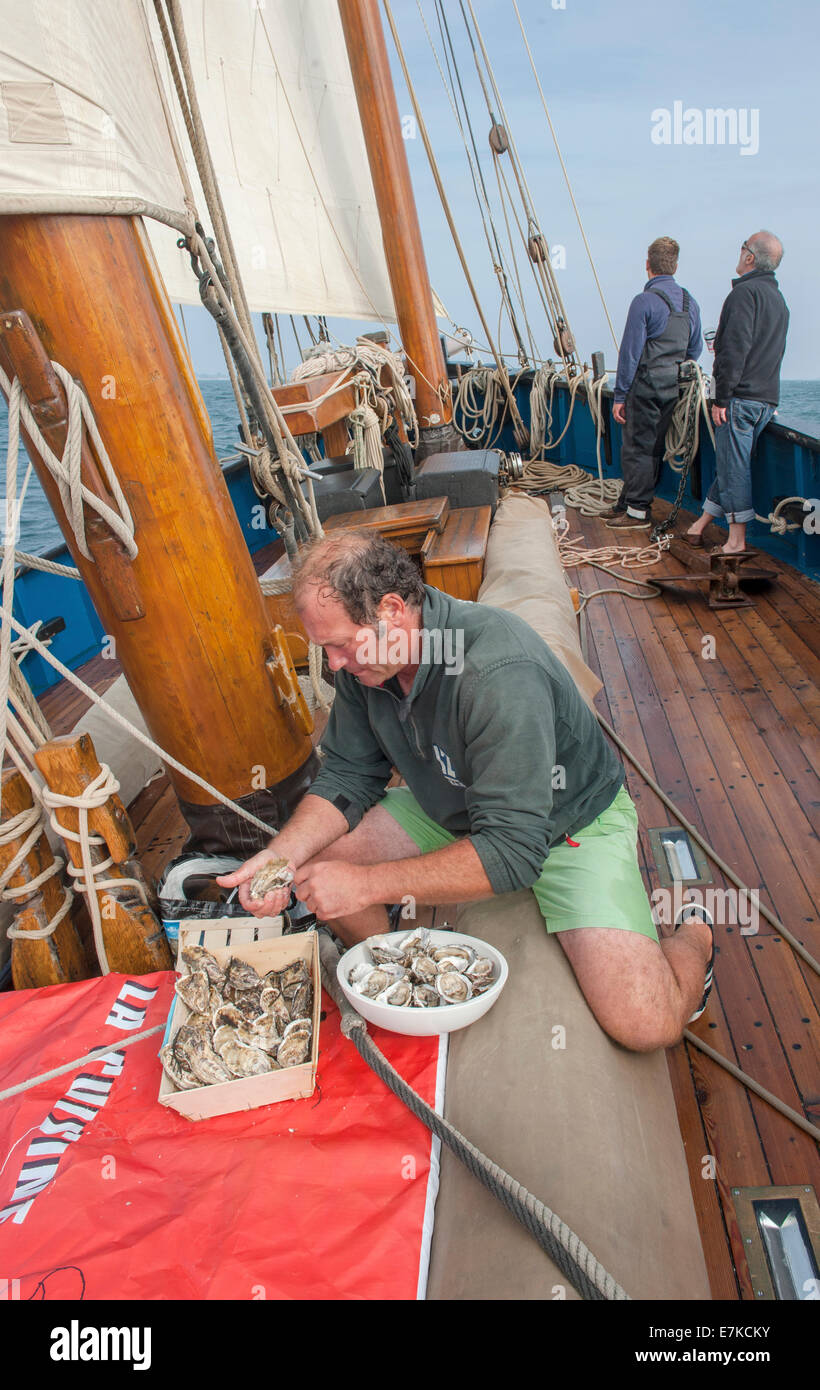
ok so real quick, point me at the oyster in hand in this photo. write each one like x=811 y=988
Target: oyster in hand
x=272 y=876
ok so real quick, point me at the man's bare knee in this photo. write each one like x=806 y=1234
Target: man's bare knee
x=377 y=839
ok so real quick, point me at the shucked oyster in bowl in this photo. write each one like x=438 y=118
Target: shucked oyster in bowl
x=397 y=982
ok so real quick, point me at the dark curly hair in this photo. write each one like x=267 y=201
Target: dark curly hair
x=358 y=569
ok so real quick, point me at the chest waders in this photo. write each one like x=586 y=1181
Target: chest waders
x=649 y=404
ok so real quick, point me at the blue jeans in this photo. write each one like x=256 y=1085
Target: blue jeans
x=730 y=495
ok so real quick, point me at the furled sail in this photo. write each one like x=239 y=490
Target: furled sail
x=86 y=99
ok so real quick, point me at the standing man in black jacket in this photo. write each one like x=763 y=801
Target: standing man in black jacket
x=662 y=330
x=749 y=348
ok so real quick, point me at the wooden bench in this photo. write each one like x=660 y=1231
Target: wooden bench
x=453 y=559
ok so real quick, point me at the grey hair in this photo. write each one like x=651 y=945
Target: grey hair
x=767 y=250
x=358 y=569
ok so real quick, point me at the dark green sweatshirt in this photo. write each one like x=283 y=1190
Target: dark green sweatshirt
x=502 y=750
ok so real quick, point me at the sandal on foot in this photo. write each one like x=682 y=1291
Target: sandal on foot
x=688 y=911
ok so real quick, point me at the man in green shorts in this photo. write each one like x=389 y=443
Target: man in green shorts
x=510 y=784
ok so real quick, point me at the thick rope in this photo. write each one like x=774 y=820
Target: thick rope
x=29 y=824
x=564 y=1248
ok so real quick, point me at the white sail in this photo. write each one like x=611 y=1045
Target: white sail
x=83 y=127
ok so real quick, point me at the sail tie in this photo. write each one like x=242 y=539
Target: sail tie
x=87 y=877
x=29 y=823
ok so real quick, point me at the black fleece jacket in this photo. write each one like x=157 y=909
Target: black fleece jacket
x=751 y=340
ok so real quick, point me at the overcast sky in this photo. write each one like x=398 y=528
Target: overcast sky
x=610 y=71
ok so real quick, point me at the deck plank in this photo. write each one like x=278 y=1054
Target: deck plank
x=730 y=742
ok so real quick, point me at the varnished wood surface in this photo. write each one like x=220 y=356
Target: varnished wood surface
x=91 y=289
x=453 y=559
x=403 y=247
x=730 y=740
x=733 y=741
x=429 y=513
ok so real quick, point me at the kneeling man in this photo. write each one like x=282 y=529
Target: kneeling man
x=510 y=784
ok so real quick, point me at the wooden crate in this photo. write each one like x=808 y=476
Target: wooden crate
x=273 y=953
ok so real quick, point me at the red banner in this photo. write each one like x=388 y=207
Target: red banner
x=104 y=1193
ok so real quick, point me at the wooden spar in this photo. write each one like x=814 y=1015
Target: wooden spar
x=60 y=957
x=404 y=252
x=133 y=937
x=187 y=616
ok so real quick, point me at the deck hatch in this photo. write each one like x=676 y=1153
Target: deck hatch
x=677 y=858
x=780 y=1229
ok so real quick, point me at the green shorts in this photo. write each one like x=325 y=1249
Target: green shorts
x=597 y=884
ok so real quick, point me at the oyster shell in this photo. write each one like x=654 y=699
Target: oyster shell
x=424 y=997
x=293 y=1050
x=226 y=1014
x=297 y=973
x=373 y=982
x=302 y=1001
x=383 y=950
x=177 y=1070
x=423 y=970
x=480 y=973
x=244 y=1061
x=195 y=991
x=414 y=942
x=274 y=875
x=242 y=976
x=398 y=995
x=197 y=958
x=454 y=987
x=203 y=1061
x=249 y=1004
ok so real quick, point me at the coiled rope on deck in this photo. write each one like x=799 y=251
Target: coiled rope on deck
x=576 y=1262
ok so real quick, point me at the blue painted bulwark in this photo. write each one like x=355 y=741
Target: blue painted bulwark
x=787 y=464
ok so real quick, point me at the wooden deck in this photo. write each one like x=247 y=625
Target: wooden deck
x=734 y=741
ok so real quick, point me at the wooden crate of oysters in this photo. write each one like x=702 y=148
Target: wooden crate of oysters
x=244 y=1026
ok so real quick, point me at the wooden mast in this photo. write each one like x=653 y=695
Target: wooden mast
x=404 y=252
x=187 y=616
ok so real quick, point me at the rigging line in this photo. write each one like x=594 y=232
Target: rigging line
x=566 y=175
x=501 y=178
x=296 y=336
x=514 y=412
x=475 y=168
x=518 y=167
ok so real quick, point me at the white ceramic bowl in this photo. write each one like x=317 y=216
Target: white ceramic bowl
x=446 y=1018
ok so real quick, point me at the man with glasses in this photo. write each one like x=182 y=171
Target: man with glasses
x=749 y=348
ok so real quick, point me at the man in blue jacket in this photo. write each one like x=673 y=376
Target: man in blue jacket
x=749 y=347
x=662 y=330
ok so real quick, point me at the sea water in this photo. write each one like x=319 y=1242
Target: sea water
x=799 y=408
